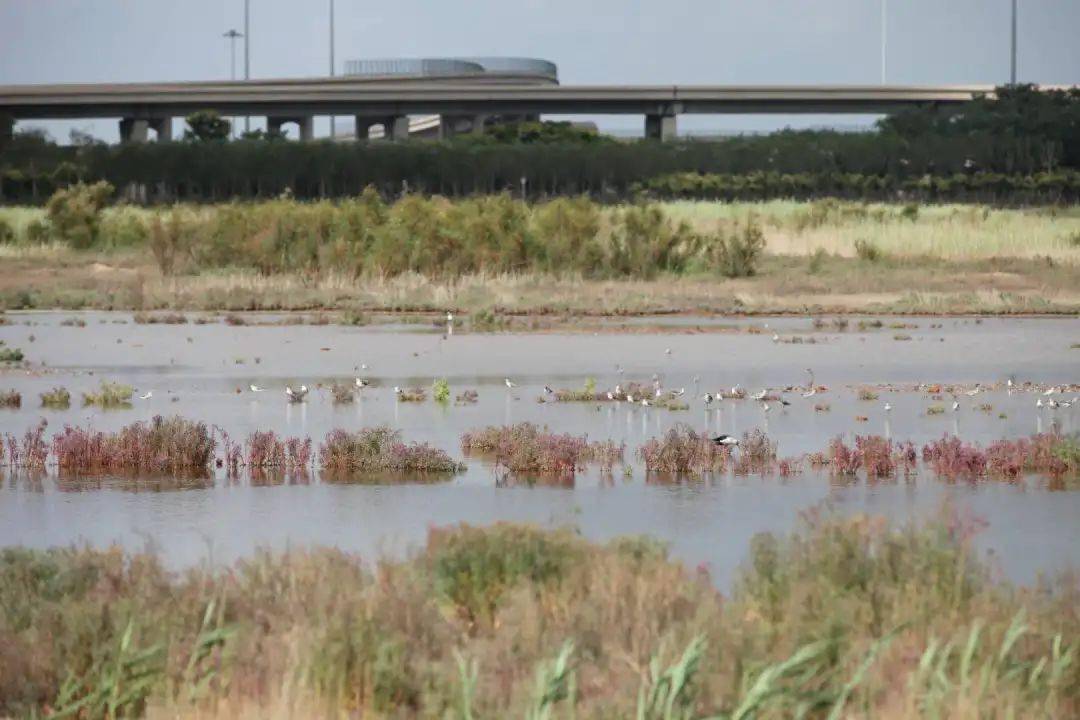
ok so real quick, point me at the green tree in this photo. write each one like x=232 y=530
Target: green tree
x=207 y=125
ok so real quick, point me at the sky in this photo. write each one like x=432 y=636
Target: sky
x=635 y=42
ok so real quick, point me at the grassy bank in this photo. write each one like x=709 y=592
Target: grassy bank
x=842 y=617
x=565 y=257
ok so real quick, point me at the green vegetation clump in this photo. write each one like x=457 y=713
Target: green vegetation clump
x=10 y=399
x=75 y=212
x=109 y=395
x=10 y=355
x=440 y=391
x=845 y=616
x=374 y=450
x=58 y=398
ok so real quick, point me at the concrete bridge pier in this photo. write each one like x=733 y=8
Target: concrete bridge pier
x=163 y=128
x=134 y=130
x=395 y=127
x=662 y=127
x=305 y=123
x=451 y=125
x=7 y=128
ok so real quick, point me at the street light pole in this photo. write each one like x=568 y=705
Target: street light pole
x=247 y=54
x=332 y=128
x=884 y=36
x=232 y=35
x=1012 y=73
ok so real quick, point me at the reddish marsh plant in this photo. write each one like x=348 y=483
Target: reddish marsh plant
x=162 y=445
x=530 y=449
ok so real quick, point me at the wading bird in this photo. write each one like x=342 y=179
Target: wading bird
x=256 y=388
x=724 y=440
x=548 y=390
x=974 y=391
x=1050 y=391
x=509 y=383
x=361 y=383
x=149 y=394
x=760 y=395
x=707 y=398
x=296 y=395
x=955 y=406
x=888 y=407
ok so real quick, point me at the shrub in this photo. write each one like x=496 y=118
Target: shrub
x=342 y=394
x=58 y=398
x=736 y=253
x=7 y=232
x=109 y=395
x=380 y=449
x=440 y=391
x=75 y=212
x=172 y=240
x=526 y=448
x=684 y=451
x=163 y=445
x=142 y=318
x=10 y=355
x=265 y=450
x=868 y=251
x=10 y=399
x=473 y=568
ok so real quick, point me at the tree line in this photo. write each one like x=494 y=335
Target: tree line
x=1023 y=133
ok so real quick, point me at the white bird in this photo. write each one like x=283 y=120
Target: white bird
x=724 y=440
x=645 y=402
x=363 y=366
x=1050 y=391
x=630 y=398
x=256 y=388
x=888 y=407
x=659 y=392
x=361 y=383
x=678 y=393
x=955 y=406
x=736 y=389
x=149 y=394
x=759 y=395
x=1009 y=383
x=296 y=395
x=667 y=351
x=775 y=338
x=510 y=384
x=1039 y=403
x=397 y=390
x=610 y=395
x=449 y=317
x=810 y=393
x=618 y=389
x=1054 y=404
x=765 y=406
x=974 y=391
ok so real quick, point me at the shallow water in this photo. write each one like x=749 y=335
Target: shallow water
x=197 y=370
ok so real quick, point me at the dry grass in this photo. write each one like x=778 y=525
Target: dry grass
x=954 y=232
x=848 y=617
x=994 y=266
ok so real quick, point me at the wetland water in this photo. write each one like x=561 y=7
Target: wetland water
x=202 y=372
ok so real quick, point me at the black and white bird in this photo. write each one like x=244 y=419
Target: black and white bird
x=677 y=393
x=725 y=440
x=149 y=394
x=784 y=402
x=362 y=383
x=296 y=395
x=760 y=395
x=707 y=398
x=548 y=390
